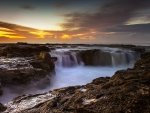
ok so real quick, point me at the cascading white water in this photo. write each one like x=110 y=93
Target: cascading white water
x=70 y=69
x=66 y=58
x=124 y=58
x=69 y=58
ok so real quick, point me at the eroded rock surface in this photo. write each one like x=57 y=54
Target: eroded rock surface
x=21 y=64
x=19 y=50
x=127 y=91
x=21 y=70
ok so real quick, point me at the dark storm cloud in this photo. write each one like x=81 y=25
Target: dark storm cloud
x=112 y=13
x=26 y=7
x=76 y=3
x=137 y=28
x=13 y=26
x=63 y=3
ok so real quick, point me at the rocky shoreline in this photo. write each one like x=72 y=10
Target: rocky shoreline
x=126 y=91
x=22 y=64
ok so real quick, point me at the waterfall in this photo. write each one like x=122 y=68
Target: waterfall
x=67 y=58
x=124 y=58
x=70 y=58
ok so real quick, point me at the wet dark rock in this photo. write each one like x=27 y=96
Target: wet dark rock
x=23 y=50
x=144 y=62
x=2 y=108
x=100 y=80
x=22 y=64
x=44 y=61
x=10 y=55
x=1 y=90
x=88 y=56
x=22 y=76
x=40 y=64
x=22 y=43
x=3 y=53
x=139 y=49
x=45 y=56
x=54 y=59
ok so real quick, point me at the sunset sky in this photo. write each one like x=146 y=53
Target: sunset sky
x=75 y=21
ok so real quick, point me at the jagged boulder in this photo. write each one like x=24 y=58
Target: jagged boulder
x=44 y=61
x=40 y=64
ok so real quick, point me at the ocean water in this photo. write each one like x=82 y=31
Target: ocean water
x=81 y=75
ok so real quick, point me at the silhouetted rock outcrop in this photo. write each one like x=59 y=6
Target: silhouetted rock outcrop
x=22 y=50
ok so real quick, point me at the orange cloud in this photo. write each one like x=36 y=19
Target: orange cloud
x=41 y=33
x=65 y=36
x=8 y=33
x=21 y=33
x=87 y=38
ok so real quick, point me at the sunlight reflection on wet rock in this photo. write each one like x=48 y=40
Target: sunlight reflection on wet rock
x=14 y=63
x=20 y=104
x=89 y=101
x=83 y=89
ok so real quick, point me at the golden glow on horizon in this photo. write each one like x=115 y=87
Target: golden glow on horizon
x=40 y=33
x=4 y=32
x=87 y=38
x=18 y=32
x=65 y=36
x=78 y=35
x=10 y=35
x=16 y=37
x=4 y=29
